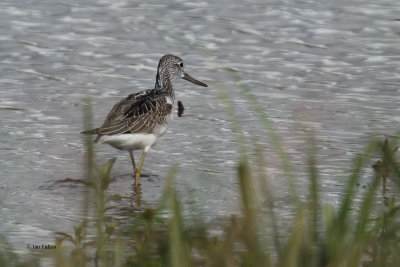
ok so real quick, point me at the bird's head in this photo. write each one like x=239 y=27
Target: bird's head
x=171 y=67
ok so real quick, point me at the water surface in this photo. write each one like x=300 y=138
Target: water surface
x=327 y=67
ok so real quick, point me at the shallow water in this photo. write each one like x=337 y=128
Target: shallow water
x=327 y=67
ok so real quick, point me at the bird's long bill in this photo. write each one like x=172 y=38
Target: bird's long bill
x=193 y=80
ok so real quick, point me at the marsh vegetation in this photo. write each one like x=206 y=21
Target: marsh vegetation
x=349 y=233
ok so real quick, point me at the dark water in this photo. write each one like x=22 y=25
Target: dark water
x=327 y=67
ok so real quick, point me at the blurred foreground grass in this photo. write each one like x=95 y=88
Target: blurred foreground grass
x=320 y=234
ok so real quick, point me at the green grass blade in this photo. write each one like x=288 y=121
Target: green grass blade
x=179 y=252
x=273 y=135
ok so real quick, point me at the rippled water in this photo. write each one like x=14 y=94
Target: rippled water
x=331 y=67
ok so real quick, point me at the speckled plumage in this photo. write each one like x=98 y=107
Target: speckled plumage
x=138 y=113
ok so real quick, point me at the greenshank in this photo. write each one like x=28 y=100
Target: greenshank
x=137 y=121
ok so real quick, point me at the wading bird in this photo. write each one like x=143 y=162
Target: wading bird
x=137 y=121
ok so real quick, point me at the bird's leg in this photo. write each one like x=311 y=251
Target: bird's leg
x=133 y=161
x=137 y=174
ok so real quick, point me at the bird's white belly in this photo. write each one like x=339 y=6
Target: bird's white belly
x=129 y=141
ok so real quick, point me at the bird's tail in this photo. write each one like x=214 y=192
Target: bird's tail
x=93 y=131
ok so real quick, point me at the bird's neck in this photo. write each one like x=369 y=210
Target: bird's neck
x=164 y=82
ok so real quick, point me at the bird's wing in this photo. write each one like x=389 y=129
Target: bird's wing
x=137 y=113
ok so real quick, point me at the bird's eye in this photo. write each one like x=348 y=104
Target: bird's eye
x=181 y=65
